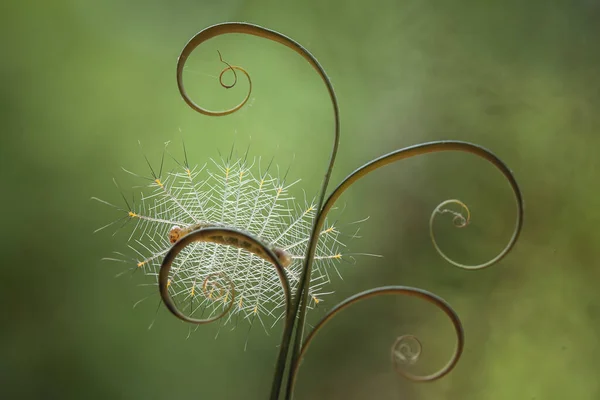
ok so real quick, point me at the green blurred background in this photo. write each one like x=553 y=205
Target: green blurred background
x=83 y=81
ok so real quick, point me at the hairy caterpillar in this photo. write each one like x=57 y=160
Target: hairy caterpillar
x=233 y=193
x=177 y=233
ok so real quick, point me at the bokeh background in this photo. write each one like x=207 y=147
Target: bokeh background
x=83 y=81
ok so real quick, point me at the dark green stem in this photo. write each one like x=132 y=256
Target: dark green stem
x=250 y=29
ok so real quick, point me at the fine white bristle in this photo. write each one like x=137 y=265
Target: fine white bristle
x=235 y=194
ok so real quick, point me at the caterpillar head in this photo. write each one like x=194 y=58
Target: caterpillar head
x=175 y=234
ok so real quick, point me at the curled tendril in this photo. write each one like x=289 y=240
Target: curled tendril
x=426 y=148
x=180 y=66
x=402 y=351
x=395 y=156
x=254 y=30
x=204 y=235
x=392 y=290
x=232 y=69
x=299 y=306
x=459 y=221
x=215 y=285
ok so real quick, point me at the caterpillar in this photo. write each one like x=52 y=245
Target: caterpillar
x=176 y=233
x=236 y=193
